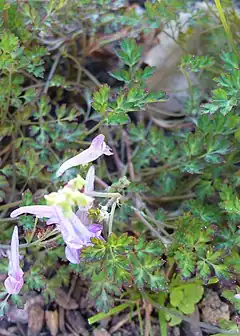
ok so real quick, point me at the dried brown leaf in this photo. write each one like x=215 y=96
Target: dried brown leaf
x=37 y=299
x=51 y=318
x=64 y=301
x=61 y=320
x=35 y=320
x=77 y=322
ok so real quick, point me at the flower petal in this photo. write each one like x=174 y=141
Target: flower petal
x=97 y=148
x=14 y=268
x=52 y=220
x=74 y=233
x=39 y=211
x=237 y=296
x=98 y=142
x=72 y=255
x=12 y=285
x=108 y=151
x=82 y=214
x=14 y=281
x=95 y=228
x=89 y=185
x=80 y=230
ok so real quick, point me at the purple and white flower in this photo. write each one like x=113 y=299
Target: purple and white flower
x=75 y=232
x=14 y=281
x=97 y=148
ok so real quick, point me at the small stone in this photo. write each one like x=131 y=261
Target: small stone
x=176 y=331
x=191 y=329
x=213 y=309
x=100 y=332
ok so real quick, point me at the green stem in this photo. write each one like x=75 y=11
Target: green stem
x=7 y=220
x=110 y=222
x=169 y=167
x=114 y=311
x=225 y=24
x=34 y=229
x=140 y=320
x=94 y=128
x=104 y=194
x=161 y=316
x=9 y=205
x=5 y=113
x=36 y=242
x=190 y=88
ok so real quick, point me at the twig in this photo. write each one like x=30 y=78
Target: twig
x=155 y=170
x=148 y=310
x=51 y=73
x=132 y=175
x=90 y=76
x=129 y=156
x=71 y=329
x=27 y=74
x=101 y=182
x=73 y=284
x=81 y=68
x=34 y=229
x=124 y=320
x=6 y=149
x=163 y=112
x=140 y=320
x=159 y=224
x=61 y=320
x=21 y=329
x=151 y=228
x=168 y=198
x=117 y=160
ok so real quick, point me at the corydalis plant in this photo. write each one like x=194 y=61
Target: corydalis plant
x=76 y=228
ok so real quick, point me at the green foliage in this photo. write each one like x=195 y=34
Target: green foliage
x=230 y=201
x=230 y=296
x=184 y=179
x=35 y=279
x=225 y=96
x=195 y=255
x=125 y=261
x=129 y=53
x=134 y=95
x=197 y=63
x=183 y=298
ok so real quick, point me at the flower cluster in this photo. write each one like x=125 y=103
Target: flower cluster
x=76 y=227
